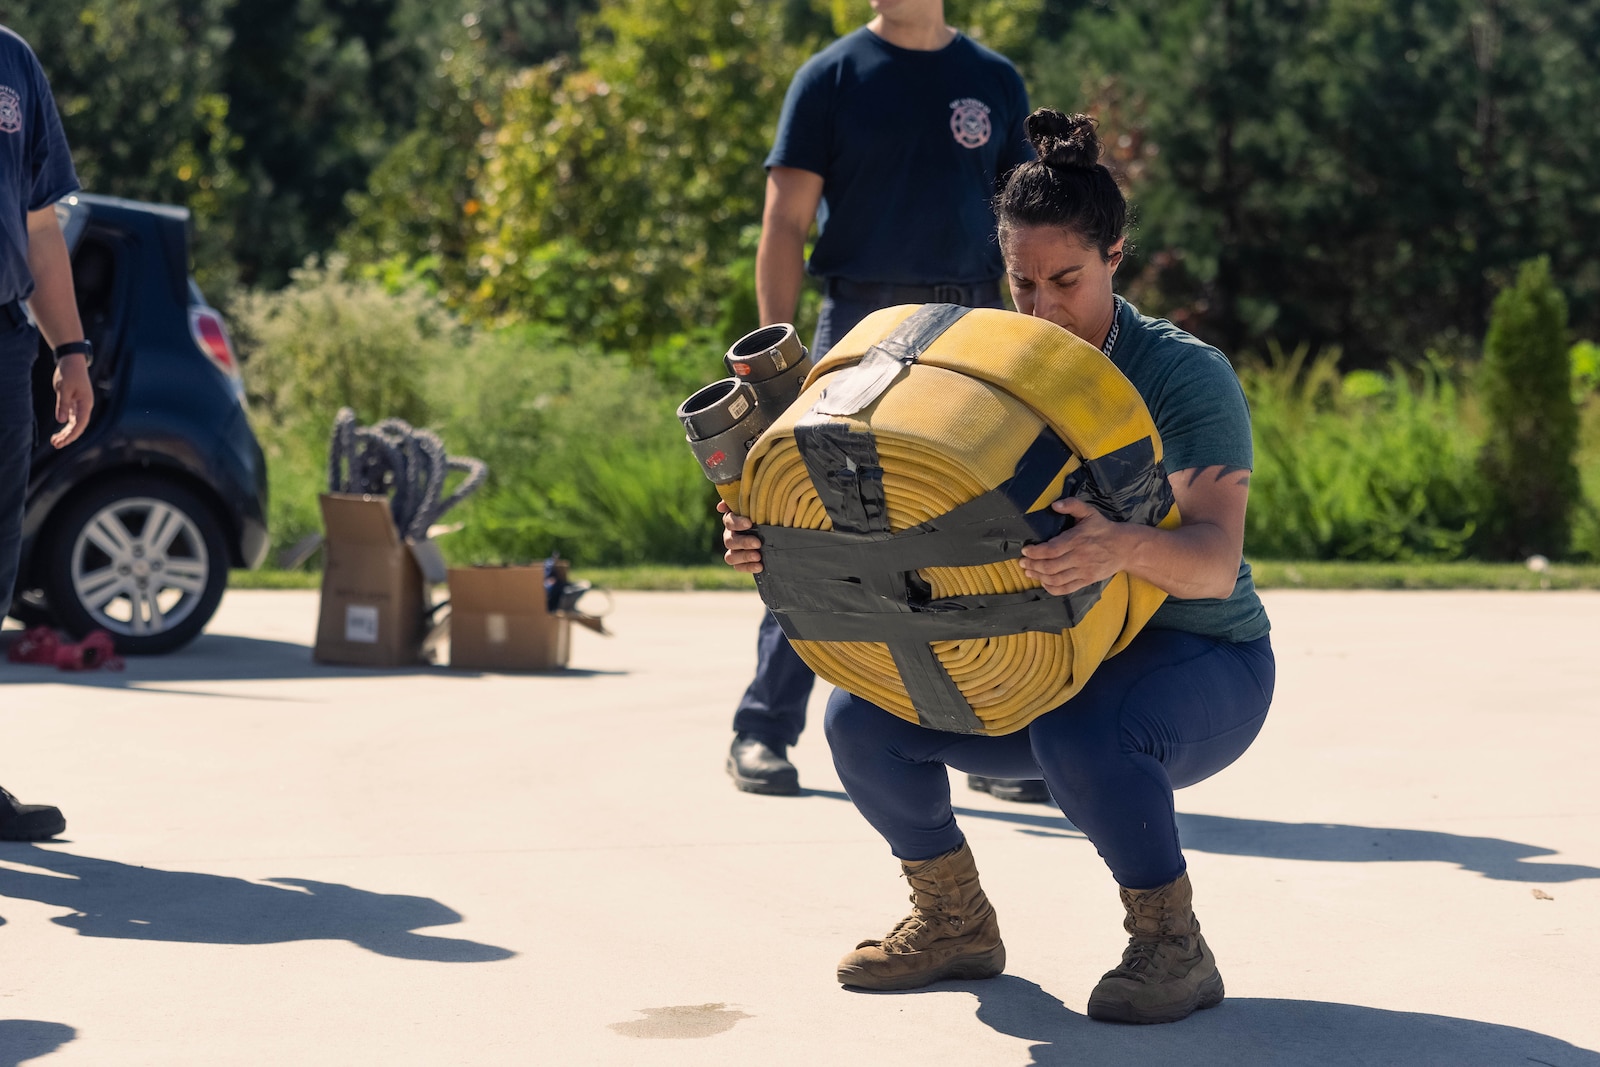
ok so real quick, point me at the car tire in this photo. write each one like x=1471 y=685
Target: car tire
x=140 y=557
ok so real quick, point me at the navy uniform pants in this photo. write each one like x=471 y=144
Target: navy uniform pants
x=19 y=346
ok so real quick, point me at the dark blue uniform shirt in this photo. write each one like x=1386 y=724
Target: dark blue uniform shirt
x=35 y=166
x=912 y=147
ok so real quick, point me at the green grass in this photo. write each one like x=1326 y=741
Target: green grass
x=1269 y=574
x=1273 y=574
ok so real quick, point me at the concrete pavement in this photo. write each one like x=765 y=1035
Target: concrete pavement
x=272 y=862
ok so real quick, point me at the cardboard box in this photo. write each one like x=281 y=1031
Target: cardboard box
x=376 y=603
x=499 y=620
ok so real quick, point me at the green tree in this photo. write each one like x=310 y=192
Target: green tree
x=1343 y=171
x=615 y=190
x=1527 y=457
x=1010 y=27
x=320 y=90
x=141 y=99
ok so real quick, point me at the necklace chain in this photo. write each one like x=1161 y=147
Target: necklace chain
x=1116 y=326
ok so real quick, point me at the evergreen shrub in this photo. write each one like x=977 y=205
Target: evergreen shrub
x=1362 y=466
x=1532 y=435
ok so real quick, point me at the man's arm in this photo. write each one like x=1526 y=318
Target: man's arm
x=55 y=309
x=792 y=198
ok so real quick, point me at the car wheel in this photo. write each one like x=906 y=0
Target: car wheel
x=140 y=557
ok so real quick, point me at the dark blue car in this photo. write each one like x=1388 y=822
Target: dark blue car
x=133 y=527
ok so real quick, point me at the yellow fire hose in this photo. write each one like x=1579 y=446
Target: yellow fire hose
x=894 y=496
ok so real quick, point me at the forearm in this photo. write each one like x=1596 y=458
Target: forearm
x=54 y=307
x=1190 y=563
x=780 y=272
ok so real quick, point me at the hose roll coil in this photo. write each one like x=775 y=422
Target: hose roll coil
x=894 y=496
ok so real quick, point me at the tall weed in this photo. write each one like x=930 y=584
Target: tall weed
x=1365 y=466
x=585 y=457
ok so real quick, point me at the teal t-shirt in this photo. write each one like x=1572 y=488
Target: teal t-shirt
x=1199 y=409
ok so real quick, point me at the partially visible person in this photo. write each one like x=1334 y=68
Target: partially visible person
x=894 y=140
x=1181 y=702
x=35 y=275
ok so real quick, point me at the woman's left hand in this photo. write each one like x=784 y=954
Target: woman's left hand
x=1092 y=549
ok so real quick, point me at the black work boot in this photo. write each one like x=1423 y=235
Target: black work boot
x=28 y=822
x=757 y=766
x=1021 y=790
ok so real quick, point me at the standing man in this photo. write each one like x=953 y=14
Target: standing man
x=35 y=269
x=894 y=140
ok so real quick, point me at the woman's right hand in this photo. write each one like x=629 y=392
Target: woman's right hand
x=743 y=549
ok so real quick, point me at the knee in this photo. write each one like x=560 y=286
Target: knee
x=848 y=722
x=860 y=733
x=1073 y=752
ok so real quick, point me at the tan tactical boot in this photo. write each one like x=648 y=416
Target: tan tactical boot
x=950 y=933
x=1167 y=971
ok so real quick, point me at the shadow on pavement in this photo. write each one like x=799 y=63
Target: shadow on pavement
x=1262 y=1033
x=22 y=1040
x=226 y=657
x=112 y=899
x=1491 y=857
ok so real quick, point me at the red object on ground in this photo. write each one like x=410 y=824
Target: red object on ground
x=36 y=645
x=92 y=653
x=42 y=645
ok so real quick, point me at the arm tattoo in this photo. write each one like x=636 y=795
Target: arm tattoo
x=1223 y=470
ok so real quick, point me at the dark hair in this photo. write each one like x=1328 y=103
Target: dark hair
x=1067 y=185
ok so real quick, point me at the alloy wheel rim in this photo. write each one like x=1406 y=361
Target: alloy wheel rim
x=139 y=566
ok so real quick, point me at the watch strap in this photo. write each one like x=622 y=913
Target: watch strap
x=75 y=348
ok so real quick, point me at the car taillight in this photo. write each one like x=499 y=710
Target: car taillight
x=211 y=334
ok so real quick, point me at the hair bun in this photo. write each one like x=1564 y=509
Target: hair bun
x=1063 y=140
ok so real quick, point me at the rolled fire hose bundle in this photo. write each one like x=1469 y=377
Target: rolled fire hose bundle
x=894 y=496
x=394 y=459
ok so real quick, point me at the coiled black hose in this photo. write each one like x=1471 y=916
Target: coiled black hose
x=397 y=460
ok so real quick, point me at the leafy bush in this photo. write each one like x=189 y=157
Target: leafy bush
x=585 y=457
x=321 y=344
x=1527 y=458
x=1585 y=357
x=1365 y=466
x=584 y=451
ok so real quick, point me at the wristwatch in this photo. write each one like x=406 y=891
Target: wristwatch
x=76 y=348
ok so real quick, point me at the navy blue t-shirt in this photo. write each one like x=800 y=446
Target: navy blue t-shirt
x=35 y=165
x=911 y=147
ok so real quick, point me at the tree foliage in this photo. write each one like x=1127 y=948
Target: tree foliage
x=1527 y=459
x=1351 y=172
x=142 y=105
x=615 y=189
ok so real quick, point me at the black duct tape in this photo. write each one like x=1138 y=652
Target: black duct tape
x=817 y=581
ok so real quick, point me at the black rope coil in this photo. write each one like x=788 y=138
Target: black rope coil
x=397 y=460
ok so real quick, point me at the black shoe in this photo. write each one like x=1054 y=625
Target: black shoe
x=28 y=822
x=757 y=767
x=1020 y=790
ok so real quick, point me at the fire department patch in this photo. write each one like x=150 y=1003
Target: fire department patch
x=969 y=121
x=10 y=110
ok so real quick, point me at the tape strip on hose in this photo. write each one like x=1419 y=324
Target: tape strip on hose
x=826 y=585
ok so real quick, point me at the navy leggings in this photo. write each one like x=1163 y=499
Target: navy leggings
x=1171 y=710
